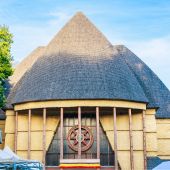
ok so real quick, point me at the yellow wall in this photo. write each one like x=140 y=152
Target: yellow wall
x=36 y=133
x=106 y=121
x=75 y=103
x=123 y=142
x=68 y=103
x=163 y=135
x=151 y=133
x=10 y=129
x=2 y=127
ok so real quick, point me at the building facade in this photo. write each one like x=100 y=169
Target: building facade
x=81 y=102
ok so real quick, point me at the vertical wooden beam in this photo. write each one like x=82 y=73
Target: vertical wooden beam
x=131 y=140
x=115 y=139
x=16 y=132
x=29 y=134
x=144 y=140
x=79 y=132
x=61 y=132
x=44 y=134
x=98 y=132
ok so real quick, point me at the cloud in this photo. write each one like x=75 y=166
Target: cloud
x=59 y=17
x=29 y=37
x=155 y=49
x=156 y=54
x=26 y=39
x=59 y=14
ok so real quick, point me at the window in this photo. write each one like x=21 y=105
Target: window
x=88 y=138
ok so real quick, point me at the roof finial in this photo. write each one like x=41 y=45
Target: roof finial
x=79 y=13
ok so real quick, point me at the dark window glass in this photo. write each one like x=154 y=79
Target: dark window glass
x=71 y=120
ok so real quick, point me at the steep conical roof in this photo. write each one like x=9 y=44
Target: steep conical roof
x=79 y=37
x=80 y=63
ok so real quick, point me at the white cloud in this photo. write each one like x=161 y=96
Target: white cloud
x=59 y=17
x=156 y=54
x=157 y=50
x=59 y=14
x=27 y=38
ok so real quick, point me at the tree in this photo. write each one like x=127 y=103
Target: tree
x=5 y=60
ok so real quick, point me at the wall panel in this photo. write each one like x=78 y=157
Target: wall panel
x=163 y=135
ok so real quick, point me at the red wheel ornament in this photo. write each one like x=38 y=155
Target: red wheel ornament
x=86 y=138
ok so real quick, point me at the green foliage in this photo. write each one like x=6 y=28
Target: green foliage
x=5 y=60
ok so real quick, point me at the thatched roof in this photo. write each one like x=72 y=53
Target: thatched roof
x=24 y=65
x=80 y=63
x=79 y=37
x=156 y=92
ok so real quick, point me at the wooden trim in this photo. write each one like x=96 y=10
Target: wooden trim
x=29 y=134
x=78 y=161
x=115 y=139
x=79 y=135
x=131 y=140
x=44 y=134
x=82 y=103
x=16 y=132
x=144 y=140
x=98 y=132
x=61 y=132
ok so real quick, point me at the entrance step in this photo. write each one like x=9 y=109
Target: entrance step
x=102 y=168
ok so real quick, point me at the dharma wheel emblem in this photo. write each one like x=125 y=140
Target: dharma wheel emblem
x=86 y=138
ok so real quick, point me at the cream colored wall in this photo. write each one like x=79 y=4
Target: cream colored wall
x=36 y=133
x=151 y=133
x=10 y=129
x=163 y=135
x=2 y=127
x=123 y=142
x=52 y=122
x=75 y=103
x=106 y=121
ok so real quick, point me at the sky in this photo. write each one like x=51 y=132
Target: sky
x=143 y=26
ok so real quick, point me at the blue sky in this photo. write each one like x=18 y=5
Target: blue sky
x=143 y=26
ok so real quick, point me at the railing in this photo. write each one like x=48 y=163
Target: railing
x=21 y=165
